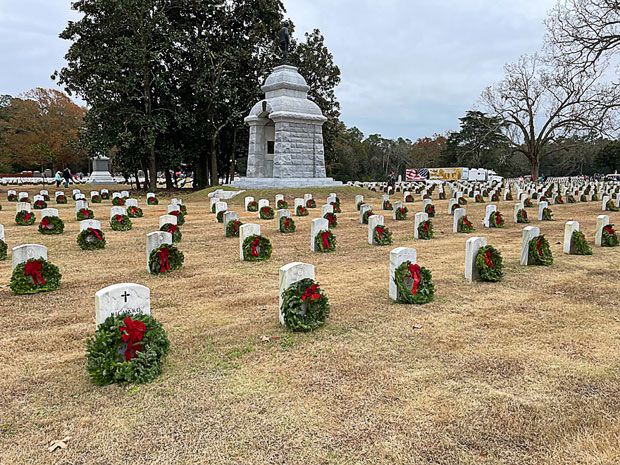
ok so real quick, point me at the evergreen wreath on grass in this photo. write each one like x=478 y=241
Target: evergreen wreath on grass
x=332 y=220
x=180 y=217
x=547 y=214
x=325 y=242
x=359 y=205
x=495 y=198
x=165 y=259
x=611 y=206
x=401 y=213
x=183 y=208
x=282 y=204
x=91 y=239
x=12 y=197
x=595 y=198
x=522 y=216
x=287 y=225
x=496 y=220
x=173 y=229
x=51 y=225
x=387 y=205
x=105 y=196
x=301 y=211
x=84 y=214
x=256 y=248
x=118 y=201
x=409 y=198
x=61 y=199
x=232 y=228
x=425 y=230
x=4 y=248
x=311 y=203
x=462 y=201
x=540 y=253
x=95 y=198
x=414 y=284
x=135 y=212
x=570 y=199
x=126 y=348
x=24 y=218
x=509 y=196
x=220 y=216
x=489 y=264
x=580 y=244
x=478 y=199
x=367 y=214
x=39 y=205
x=304 y=306
x=252 y=206
x=583 y=198
x=528 y=202
x=120 y=223
x=336 y=207
x=430 y=210
x=382 y=235
x=152 y=201
x=609 y=237
x=559 y=200
x=464 y=225
x=35 y=275
x=442 y=196
x=266 y=213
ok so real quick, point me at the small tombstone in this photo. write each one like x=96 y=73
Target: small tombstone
x=541 y=208
x=38 y=197
x=529 y=233
x=122 y=298
x=1 y=232
x=317 y=225
x=248 y=200
x=44 y=192
x=23 y=195
x=332 y=198
x=81 y=204
x=325 y=209
x=290 y=274
x=426 y=203
x=278 y=198
x=220 y=207
x=364 y=208
x=149 y=195
x=473 y=245
x=262 y=203
x=176 y=201
x=116 y=195
x=569 y=229
x=451 y=205
x=506 y=195
x=458 y=214
x=93 y=194
x=490 y=210
x=518 y=206
x=168 y=219
x=601 y=222
x=94 y=224
x=57 y=193
x=49 y=212
x=125 y=194
x=11 y=192
x=175 y=208
x=397 y=206
x=75 y=192
x=154 y=241
x=228 y=217
x=307 y=197
x=131 y=203
x=385 y=197
x=420 y=218
x=117 y=211
x=23 y=206
x=606 y=199
x=80 y=196
x=105 y=191
x=212 y=202
x=397 y=257
x=246 y=231
x=283 y=213
x=358 y=199
x=25 y=252
x=299 y=202
x=373 y=222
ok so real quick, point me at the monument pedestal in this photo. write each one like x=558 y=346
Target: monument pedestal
x=101 y=172
x=283 y=183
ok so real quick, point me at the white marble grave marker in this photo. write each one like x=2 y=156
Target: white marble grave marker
x=473 y=245
x=154 y=241
x=25 y=252
x=317 y=225
x=290 y=274
x=397 y=257
x=601 y=222
x=246 y=231
x=373 y=222
x=128 y=298
x=529 y=233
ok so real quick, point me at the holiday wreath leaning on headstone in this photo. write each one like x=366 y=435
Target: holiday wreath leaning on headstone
x=91 y=239
x=174 y=230
x=414 y=284
x=165 y=259
x=304 y=306
x=126 y=349
x=35 y=275
x=51 y=225
x=120 y=223
x=489 y=264
x=325 y=242
x=540 y=253
x=609 y=236
x=256 y=248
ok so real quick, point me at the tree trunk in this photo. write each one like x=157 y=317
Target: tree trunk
x=233 y=159
x=214 y=174
x=201 y=180
x=137 y=180
x=168 y=180
x=535 y=164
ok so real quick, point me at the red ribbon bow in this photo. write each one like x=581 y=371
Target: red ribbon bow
x=175 y=213
x=95 y=232
x=311 y=293
x=286 y=222
x=325 y=237
x=487 y=259
x=380 y=231
x=609 y=230
x=330 y=218
x=119 y=218
x=498 y=217
x=255 y=244
x=425 y=224
x=236 y=226
x=538 y=244
x=415 y=274
x=133 y=332
x=45 y=223
x=84 y=212
x=163 y=259
x=466 y=221
x=27 y=217
x=172 y=228
x=33 y=269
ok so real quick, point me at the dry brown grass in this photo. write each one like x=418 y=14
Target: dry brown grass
x=520 y=372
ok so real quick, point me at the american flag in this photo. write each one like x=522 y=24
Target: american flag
x=417 y=175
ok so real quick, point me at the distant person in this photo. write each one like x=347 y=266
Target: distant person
x=58 y=179
x=66 y=174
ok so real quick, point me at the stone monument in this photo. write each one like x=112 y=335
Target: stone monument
x=101 y=171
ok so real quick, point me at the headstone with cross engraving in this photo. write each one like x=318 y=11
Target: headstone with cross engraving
x=122 y=298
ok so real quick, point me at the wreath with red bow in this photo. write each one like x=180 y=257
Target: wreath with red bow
x=256 y=248
x=126 y=348
x=547 y=214
x=332 y=220
x=287 y=225
x=462 y=201
x=359 y=205
x=540 y=253
x=559 y=200
x=174 y=230
x=478 y=199
x=611 y=206
x=35 y=275
x=509 y=195
x=489 y=264
x=425 y=230
x=220 y=216
x=95 y=198
x=304 y=306
x=583 y=198
x=266 y=213
x=609 y=237
x=495 y=198
x=165 y=259
x=120 y=223
x=310 y=203
x=118 y=201
x=325 y=242
x=39 y=205
x=180 y=217
x=252 y=206
x=367 y=214
x=282 y=204
x=152 y=201
x=570 y=199
x=522 y=216
x=24 y=218
x=105 y=196
x=84 y=214
x=414 y=284
x=382 y=235
x=12 y=197
x=496 y=220
x=430 y=210
x=232 y=228
x=464 y=225
x=61 y=199
x=387 y=205
x=91 y=239
x=336 y=207
x=401 y=213
x=528 y=202
x=301 y=211
x=134 y=212
x=51 y=225
x=579 y=244
x=3 y=250
x=442 y=196
x=409 y=198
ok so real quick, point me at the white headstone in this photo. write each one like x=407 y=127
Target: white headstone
x=148 y=195
x=93 y=194
x=1 y=232
x=473 y=245
x=220 y=207
x=175 y=208
x=529 y=233
x=490 y=210
x=154 y=241
x=228 y=217
x=541 y=207
x=23 y=195
x=94 y=224
x=420 y=218
x=518 y=206
x=168 y=219
x=248 y=200
x=81 y=204
x=307 y=197
x=290 y=274
x=117 y=211
x=262 y=203
x=125 y=194
x=325 y=209
x=115 y=195
x=425 y=203
x=57 y=193
x=278 y=198
x=373 y=222
x=601 y=222
x=458 y=214
x=128 y=298
x=569 y=229
x=105 y=191
x=212 y=202
x=451 y=204
x=332 y=198
x=358 y=199
x=38 y=197
x=80 y=196
x=23 y=206
x=317 y=225
x=364 y=208
x=25 y=252
x=246 y=231
x=606 y=199
x=131 y=203
x=49 y=212
x=176 y=201
x=397 y=257
x=283 y=213
x=299 y=202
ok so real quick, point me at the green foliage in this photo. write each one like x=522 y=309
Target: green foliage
x=252 y=206
x=180 y=217
x=306 y=314
x=320 y=244
x=539 y=252
x=232 y=228
x=367 y=214
x=387 y=205
x=175 y=260
x=54 y=225
x=332 y=220
x=580 y=244
x=462 y=201
x=104 y=354
x=88 y=240
x=430 y=210
x=3 y=250
x=311 y=203
x=607 y=159
x=489 y=264
x=425 y=230
x=464 y=225
x=382 y=235
x=95 y=199
x=152 y=201
x=39 y=205
x=23 y=284
x=85 y=214
x=401 y=214
x=522 y=216
x=496 y=220
x=609 y=237
x=135 y=212
x=173 y=229
x=120 y=223
x=478 y=199
x=282 y=204
x=24 y=218
x=267 y=213
x=263 y=248
x=220 y=216
x=403 y=279
x=118 y=201
x=547 y=214
x=61 y=199
x=611 y=206
x=287 y=226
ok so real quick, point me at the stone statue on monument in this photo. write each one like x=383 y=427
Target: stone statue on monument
x=285 y=43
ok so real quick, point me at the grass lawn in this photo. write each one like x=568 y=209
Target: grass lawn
x=525 y=371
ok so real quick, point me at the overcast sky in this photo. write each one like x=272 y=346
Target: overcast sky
x=410 y=68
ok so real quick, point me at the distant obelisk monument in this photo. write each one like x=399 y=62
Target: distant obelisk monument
x=286 y=133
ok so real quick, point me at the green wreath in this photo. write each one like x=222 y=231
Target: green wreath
x=442 y=196
x=359 y=205
x=425 y=230
x=165 y=259
x=404 y=278
x=266 y=213
x=559 y=200
x=95 y=199
x=105 y=196
x=547 y=214
x=91 y=239
x=120 y=223
x=528 y=203
x=611 y=206
x=183 y=208
x=118 y=201
x=609 y=237
x=522 y=216
x=570 y=199
x=325 y=242
x=430 y=210
x=387 y=205
x=287 y=225
x=495 y=198
x=51 y=225
x=595 y=198
x=253 y=206
x=464 y=225
x=3 y=250
x=366 y=215
x=61 y=199
x=310 y=203
x=489 y=264
x=12 y=197
x=152 y=201
x=304 y=306
x=462 y=201
x=478 y=199
x=173 y=229
x=301 y=211
x=39 y=205
x=496 y=220
x=84 y=214
x=24 y=218
x=220 y=216
x=232 y=228
x=583 y=198
x=580 y=244
x=540 y=253
x=135 y=212
x=180 y=217
x=401 y=214
x=282 y=204
x=332 y=220
x=336 y=207
x=45 y=277
x=107 y=353
x=382 y=235
x=509 y=196
x=256 y=248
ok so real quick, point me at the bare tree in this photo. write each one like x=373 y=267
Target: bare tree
x=540 y=101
